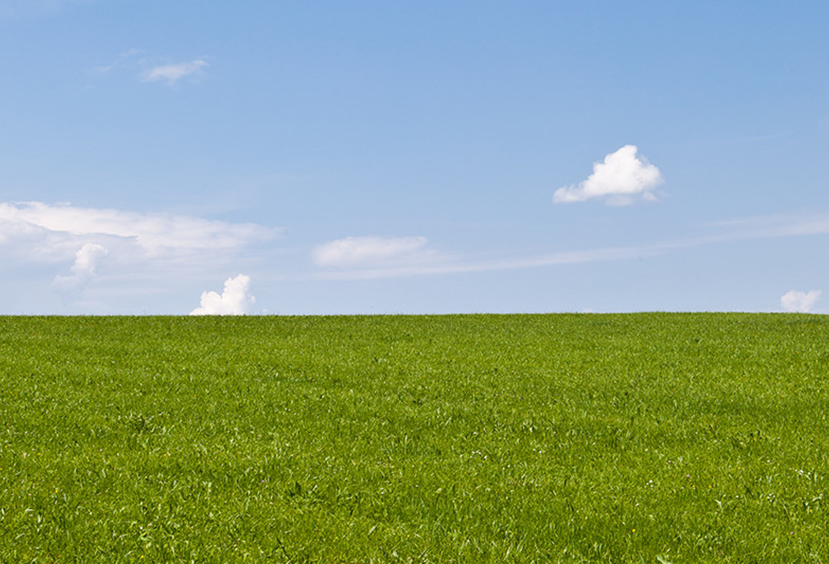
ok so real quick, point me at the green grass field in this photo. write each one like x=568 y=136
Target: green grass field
x=523 y=438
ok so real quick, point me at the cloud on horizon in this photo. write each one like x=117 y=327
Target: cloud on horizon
x=175 y=72
x=145 y=253
x=235 y=298
x=620 y=179
x=152 y=232
x=794 y=301
x=86 y=262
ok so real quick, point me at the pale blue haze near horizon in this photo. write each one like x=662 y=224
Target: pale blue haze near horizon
x=324 y=157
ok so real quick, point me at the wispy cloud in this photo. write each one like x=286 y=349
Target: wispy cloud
x=776 y=225
x=235 y=299
x=783 y=225
x=147 y=67
x=152 y=232
x=458 y=265
x=174 y=72
x=125 y=59
x=620 y=179
x=368 y=251
x=799 y=302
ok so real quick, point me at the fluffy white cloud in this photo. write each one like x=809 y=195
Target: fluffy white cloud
x=174 y=73
x=86 y=261
x=234 y=300
x=153 y=232
x=620 y=178
x=362 y=251
x=802 y=302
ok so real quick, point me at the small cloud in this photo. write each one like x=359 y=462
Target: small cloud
x=235 y=299
x=621 y=178
x=86 y=262
x=361 y=251
x=174 y=73
x=800 y=302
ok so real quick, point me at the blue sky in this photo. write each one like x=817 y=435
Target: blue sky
x=324 y=157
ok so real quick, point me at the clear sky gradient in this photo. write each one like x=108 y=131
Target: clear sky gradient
x=326 y=157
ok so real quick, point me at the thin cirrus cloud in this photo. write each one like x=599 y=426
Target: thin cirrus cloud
x=370 y=251
x=800 y=302
x=621 y=179
x=457 y=265
x=776 y=225
x=235 y=298
x=174 y=72
x=346 y=252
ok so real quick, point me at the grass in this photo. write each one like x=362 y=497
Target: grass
x=524 y=438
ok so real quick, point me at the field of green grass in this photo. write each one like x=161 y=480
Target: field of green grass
x=520 y=438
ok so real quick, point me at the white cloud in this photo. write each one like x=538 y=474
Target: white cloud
x=146 y=253
x=234 y=300
x=440 y=264
x=621 y=179
x=153 y=232
x=423 y=262
x=801 y=302
x=174 y=73
x=362 y=251
x=86 y=262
